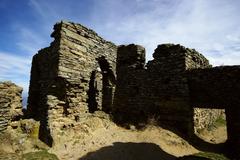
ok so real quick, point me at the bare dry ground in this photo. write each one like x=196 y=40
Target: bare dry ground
x=97 y=138
x=100 y=139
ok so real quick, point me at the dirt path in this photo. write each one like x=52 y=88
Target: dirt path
x=98 y=138
x=113 y=142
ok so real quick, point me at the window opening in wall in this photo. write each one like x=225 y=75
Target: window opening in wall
x=210 y=125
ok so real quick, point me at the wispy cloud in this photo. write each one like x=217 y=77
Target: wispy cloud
x=31 y=41
x=201 y=24
x=211 y=27
x=15 y=68
x=43 y=9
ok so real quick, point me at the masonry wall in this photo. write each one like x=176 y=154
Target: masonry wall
x=72 y=77
x=169 y=86
x=159 y=89
x=156 y=91
x=43 y=76
x=130 y=96
x=43 y=86
x=10 y=103
x=209 y=86
x=82 y=55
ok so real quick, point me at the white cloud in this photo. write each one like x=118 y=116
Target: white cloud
x=211 y=27
x=15 y=68
x=201 y=24
x=31 y=41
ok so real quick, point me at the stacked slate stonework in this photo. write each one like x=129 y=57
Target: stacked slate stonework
x=10 y=103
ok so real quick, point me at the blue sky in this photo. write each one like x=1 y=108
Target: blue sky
x=209 y=26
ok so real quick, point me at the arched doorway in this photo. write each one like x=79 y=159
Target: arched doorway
x=101 y=87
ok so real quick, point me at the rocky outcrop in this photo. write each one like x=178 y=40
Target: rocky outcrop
x=10 y=103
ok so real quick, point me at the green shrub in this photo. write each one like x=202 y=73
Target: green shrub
x=221 y=121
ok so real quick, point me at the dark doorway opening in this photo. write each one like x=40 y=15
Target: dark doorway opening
x=101 y=87
x=108 y=84
x=92 y=92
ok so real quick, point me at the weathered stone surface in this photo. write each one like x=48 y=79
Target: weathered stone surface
x=158 y=90
x=72 y=77
x=10 y=103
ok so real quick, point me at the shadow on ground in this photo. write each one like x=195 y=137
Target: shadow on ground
x=197 y=142
x=129 y=151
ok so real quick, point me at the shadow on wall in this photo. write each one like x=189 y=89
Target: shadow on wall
x=129 y=151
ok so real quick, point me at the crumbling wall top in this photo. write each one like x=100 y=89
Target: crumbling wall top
x=176 y=55
x=63 y=26
x=164 y=50
x=131 y=55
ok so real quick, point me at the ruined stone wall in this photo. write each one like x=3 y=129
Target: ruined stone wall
x=82 y=55
x=209 y=86
x=43 y=75
x=10 y=103
x=69 y=78
x=43 y=86
x=160 y=90
x=169 y=86
x=195 y=60
x=77 y=75
x=130 y=96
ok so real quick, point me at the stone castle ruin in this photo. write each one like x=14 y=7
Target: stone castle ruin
x=80 y=73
